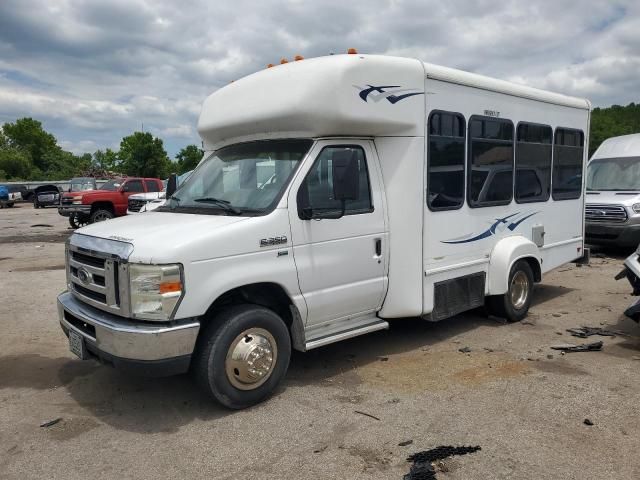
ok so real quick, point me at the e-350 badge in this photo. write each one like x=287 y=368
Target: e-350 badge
x=269 y=242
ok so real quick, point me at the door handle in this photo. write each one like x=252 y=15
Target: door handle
x=378 y=244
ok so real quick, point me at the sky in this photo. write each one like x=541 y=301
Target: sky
x=95 y=71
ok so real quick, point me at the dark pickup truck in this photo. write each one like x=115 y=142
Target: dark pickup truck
x=109 y=201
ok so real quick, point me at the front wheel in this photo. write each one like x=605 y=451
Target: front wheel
x=514 y=305
x=242 y=355
x=100 y=215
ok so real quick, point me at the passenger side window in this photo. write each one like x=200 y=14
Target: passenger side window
x=568 y=152
x=135 y=186
x=533 y=163
x=152 y=186
x=316 y=192
x=445 y=164
x=490 y=174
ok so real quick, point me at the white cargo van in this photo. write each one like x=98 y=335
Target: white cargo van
x=613 y=193
x=335 y=193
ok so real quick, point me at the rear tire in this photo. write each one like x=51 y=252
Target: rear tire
x=100 y=215
x=514 y=305
x=78 y=221
x=242 y=355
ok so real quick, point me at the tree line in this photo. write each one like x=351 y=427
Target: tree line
x=29 y=152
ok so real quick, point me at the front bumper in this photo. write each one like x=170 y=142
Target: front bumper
x=626 y=235
x=145 y=348
x=67 y=210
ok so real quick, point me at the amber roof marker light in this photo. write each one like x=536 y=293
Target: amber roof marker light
x=352 y=51
x=297 y=58
x=283 y=61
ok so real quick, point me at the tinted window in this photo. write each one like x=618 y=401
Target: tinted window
x=533 y=163
x=490 y=162
x=568 y=153
x=135 y=186
x=152 y=186
x=316 y=192
x=445 y=182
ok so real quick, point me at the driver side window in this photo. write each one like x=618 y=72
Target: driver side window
x=316 y=192
x=134 y=186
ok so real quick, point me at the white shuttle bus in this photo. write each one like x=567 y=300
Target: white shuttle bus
x=336 y=193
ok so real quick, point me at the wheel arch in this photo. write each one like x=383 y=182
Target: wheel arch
x=504 y=254
x=102 y=204
x=266 y=294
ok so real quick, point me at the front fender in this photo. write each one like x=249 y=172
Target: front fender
x=504 y=254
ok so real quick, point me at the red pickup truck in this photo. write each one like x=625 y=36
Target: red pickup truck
x=108 y=201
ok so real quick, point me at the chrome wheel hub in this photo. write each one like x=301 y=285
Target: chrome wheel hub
x=519 y=290
x=251 y=359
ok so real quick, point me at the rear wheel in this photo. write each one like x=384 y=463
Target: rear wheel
x=78 y=221
x=514 y=305
x=242 y=355
x=100 y=215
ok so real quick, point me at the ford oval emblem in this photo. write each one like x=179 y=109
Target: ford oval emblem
x=84 y=276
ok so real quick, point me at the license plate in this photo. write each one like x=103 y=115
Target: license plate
x=76 y=345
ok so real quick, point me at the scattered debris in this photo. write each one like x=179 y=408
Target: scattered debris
x=556 y=315
x=405 y=443
x=42 y=225
x=585 y=347
x=320 y=449
x=383 y=359
x=559 y=333
x=584 y=332
x=490 y=350
x=550 y=357
x=394 y=400
x=423 y=462
x=50 y=422
x=366 y=414
x=588 y=422
x=464 y=350
x=635 y=357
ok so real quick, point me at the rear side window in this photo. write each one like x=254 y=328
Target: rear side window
x=490 y=173
x=316 y=192
x=152 y=186
x=568 y=154
x=445 y=164
x=533 y=163
x=135 y=186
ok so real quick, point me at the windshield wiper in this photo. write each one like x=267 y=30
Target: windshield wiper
x=225 y=204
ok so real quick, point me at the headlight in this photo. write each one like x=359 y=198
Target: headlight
x=636 y=207
x=155 y=290
x=77 y=200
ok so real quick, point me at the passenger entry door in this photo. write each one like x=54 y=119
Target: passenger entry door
x=341 y=262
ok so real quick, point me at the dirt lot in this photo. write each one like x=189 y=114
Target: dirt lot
x=523 y=403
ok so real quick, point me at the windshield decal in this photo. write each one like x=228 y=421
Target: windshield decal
x=510 y=222
x=382 y=92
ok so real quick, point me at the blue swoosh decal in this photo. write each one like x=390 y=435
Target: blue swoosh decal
x=492 y=229
x=396 y=98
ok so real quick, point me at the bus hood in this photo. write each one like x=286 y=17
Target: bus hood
x=163 y=237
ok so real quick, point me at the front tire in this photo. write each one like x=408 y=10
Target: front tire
x=101 y=215
x=242 y=355
x=514 y=305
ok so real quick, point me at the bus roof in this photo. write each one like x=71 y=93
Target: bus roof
x=340 y=95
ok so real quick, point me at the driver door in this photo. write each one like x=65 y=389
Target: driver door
x=341 y=262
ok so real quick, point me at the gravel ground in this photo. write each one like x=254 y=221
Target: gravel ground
x=522 y=402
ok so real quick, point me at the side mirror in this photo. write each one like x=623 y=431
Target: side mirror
x=172 y=185
x=344 y=168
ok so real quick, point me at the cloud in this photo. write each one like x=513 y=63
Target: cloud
x=94 y=72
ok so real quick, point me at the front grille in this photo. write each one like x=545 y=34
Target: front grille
x=95 y=279
x=136 y=205
x=597 y=213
